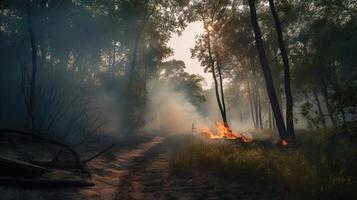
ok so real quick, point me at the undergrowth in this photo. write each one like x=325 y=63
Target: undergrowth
x=322 y=166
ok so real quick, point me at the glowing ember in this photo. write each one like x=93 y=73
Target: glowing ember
x=225 y=132
x=284 y=142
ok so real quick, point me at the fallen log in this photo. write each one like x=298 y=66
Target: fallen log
x=41 y=183
x=17 y=168
x=68 y=165
x=80 y=165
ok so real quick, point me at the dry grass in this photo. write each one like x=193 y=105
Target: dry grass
x=319 y=168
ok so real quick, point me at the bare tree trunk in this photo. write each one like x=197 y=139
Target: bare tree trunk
x=251 y=103
x=32 y=100
x=215 y=80
x=113 y=59
x=257 y=105
x=212 y=63
x=328 y=106
x=221 y=86
x=269 y=119
x=344 y=123
x=255 y=95
x=284 y=55
x=256 y=110
x=260 y=112
x=134 y=55
x=267 y=73
x=316 y=96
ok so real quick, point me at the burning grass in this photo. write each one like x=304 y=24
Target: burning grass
x=223 y=131
x=319 y=168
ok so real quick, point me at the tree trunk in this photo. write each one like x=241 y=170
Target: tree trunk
x=251 y=103
x=31 y=104
x=255 y=94
x=221 y=86
x=133 y=58
x=316 y=96
x=260 y=112
x=284 y=55
x=328 y=106
x=113 y=59
x=267 y=73
x=269 y=119
x=344 y=125
x=215 y=81
x=220 y=105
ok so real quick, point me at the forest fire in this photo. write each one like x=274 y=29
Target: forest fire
x=225 y=132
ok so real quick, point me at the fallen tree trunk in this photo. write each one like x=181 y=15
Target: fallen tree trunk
x=68 y=165
x=41 y=183
x=17 y=168
x=75 y=154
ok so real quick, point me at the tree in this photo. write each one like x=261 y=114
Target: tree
x=173 y=72
x=32 y=103
x=284 y=55
x=267 y=73
x=209 y=13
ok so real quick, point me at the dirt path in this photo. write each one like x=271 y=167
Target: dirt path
x=142 y=172
x=149 y=179
x=107 y=173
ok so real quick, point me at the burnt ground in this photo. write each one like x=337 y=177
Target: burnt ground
x=142 y=172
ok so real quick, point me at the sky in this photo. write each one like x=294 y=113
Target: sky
x=182 y=45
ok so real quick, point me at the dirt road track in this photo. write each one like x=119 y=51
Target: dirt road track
x=151 y=179
x=142 y=172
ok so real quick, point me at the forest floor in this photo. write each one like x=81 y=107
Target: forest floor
x=142 y=172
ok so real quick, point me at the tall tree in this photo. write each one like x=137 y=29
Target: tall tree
x=266 y=71
x=284 y=55
x=31 y=104
x=209 y=13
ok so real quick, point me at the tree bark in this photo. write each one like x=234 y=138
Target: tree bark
x=267 y=73
x=284 y=55
x=31 y=104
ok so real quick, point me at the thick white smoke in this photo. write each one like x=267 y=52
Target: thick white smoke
x=169 y=111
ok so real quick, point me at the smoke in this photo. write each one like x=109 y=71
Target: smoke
x=169 y=110
x=106 y=106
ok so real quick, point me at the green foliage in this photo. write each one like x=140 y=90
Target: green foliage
x=321 y=168
x=191 y=84
x=313 y=118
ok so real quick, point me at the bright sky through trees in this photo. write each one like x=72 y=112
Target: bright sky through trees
x=182 y=45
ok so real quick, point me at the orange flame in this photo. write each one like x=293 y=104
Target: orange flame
x=225 y=132
x=284 y=142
